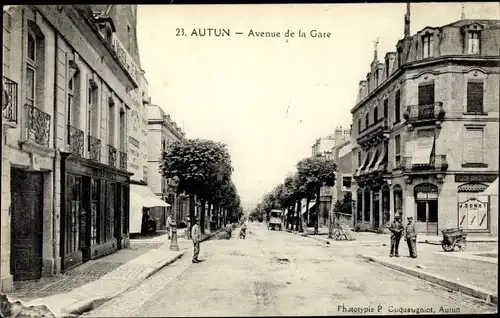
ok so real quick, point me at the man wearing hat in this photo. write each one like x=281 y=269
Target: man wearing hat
x=396 y=229
x=196 y=235
x=411 y=237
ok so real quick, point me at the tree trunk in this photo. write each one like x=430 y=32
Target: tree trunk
x=202 y=216
x=316 y=225
x=302 y=219
x=297 y=217
x=209 y=212
x=192 y=208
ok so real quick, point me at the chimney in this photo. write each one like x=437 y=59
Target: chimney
x=462 y=17
x=407 y=20
x=338 y=136
x=375 y=49
x=347 y=134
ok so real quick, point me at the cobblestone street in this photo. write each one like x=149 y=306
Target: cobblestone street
x=277 y=273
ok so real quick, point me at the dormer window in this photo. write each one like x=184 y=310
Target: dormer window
x=472 y=38
x=427 y=46
x=473 y=42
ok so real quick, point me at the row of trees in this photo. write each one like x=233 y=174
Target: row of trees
x=203 y=169
x=312 y=174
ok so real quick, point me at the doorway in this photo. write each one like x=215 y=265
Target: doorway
x=27 y=224
x=376 y=209
x=427 y=216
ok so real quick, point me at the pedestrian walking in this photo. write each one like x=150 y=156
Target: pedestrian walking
x=188 y=228
x=411 y=237
x=169 y=226
x=196 y=235
x=396 y=229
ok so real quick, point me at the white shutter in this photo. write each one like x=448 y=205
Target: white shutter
x=474 y=145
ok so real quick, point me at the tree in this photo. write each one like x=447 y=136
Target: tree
x=201 y=166
x=314 y=173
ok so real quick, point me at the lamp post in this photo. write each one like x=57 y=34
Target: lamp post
x=174 y=246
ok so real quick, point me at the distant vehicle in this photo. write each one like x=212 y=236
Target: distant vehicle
x=275 y=220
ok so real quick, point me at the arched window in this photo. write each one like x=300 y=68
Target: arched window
x=31 y=70
x=398 y=199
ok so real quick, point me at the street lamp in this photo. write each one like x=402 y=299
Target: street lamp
x=174 y=246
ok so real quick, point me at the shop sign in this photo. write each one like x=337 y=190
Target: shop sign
x=132 y=69
x=477 y=178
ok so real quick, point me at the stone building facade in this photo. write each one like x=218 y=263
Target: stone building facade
x=65 y=152
x=425 y=130
x=162 y=131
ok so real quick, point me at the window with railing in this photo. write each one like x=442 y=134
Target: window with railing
x=397 y=150
x=426 y=100
x=397 y=106
x=75 y=136
x=9 y=100
x=93 y=108
x=473 y=146
x=111 y=121
x=475 y=96
x=31 y=60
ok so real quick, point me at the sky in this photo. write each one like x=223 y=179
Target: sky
x=269 y=99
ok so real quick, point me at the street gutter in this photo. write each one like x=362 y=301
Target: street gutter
x=467 y=289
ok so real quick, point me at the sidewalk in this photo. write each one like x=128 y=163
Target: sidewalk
x=89 y=285
x=474 y=272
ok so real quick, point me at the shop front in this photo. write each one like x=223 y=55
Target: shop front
x=94 y=210
x=145 y=204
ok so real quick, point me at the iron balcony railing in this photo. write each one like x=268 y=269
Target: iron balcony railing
x=9 y=100
x=424 y=113
x=37 y=125
x=112 y=152
x=76 y=140
x=436 y=163
x=94 y=148
x=123 y=160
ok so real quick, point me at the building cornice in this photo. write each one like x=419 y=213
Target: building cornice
x=165 y=124
x=423 y=63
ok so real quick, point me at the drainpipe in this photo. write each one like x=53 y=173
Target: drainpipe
x=54 y=174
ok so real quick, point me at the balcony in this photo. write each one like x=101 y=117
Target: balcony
x=123 y=160
x=37 y=126
x=75 y=140
x=437 y=163
x=422 y=115
x=94 y=148
x=9 y=100
x=112 y=152
x=374 y=133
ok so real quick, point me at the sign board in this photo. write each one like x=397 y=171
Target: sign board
x=132 y=69
x=473 y=214
x=479 y=178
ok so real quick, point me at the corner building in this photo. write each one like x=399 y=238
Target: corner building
x=425 y=130
x=65 y=183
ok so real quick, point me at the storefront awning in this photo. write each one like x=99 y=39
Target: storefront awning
x=373 y=158
x=150 y=200
x=380 y=159
x=423 y=150
x=311 y=205
x=141 y=197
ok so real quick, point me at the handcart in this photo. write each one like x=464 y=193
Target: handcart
x=341 y=230
x=452 y=238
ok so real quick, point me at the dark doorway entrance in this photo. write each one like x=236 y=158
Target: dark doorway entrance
x=27 y=224
x=376 y=209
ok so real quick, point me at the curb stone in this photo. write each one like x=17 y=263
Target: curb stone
x=467 y=289
x=79 y=307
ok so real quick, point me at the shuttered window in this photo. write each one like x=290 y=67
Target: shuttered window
x=397 y=102
x=474 y=145
x=426 y=94
x=475 y=92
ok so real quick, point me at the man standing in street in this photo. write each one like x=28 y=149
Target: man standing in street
x=169 y=226
x=396 y=229
x=411 y=237
x=196 y=235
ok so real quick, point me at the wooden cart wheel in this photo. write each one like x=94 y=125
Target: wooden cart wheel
x=337 y=235
x=462 y=246
x=448 y=247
